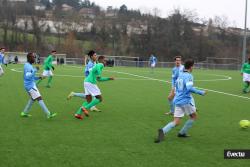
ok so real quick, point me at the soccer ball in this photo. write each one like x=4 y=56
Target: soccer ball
x=244 y=123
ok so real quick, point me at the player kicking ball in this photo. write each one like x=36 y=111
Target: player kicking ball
x=91 y=88
x=29 y=77
x=91 y=63
x=48 y=67
x=183 y=103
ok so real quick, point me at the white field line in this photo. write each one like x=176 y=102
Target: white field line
x=210 y=90
x=224 y=77
x=159 y=80
x=78 y=76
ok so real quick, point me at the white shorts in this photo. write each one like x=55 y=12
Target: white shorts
x=153 y=65
x=47 y=73
x=1 y=71
x=246 y=77
x=34 y=93
x=187 y=109
x=91 y=89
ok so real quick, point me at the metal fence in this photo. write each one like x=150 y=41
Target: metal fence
x=144 y=64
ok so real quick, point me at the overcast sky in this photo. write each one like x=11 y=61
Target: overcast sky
x=234 y=10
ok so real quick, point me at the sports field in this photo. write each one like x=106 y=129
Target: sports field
x=123 y=134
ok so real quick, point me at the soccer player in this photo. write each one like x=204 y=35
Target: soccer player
x=152 y=62
x=175 y=74
x=183 y=103
x=2 y=50
x=29 y=77
x=91 y=88
x=48 y=67
x=91 y=63
x=245 y=72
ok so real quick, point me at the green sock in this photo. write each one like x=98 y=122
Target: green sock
x=246 y=85
x=94 y=102
x=49 y=80
x=38 y=81
x=79 y=111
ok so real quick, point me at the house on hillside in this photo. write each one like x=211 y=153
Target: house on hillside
x=137 y=27
x=66 y=7
x=111 y=13
x=39 y=6
x=88 y=13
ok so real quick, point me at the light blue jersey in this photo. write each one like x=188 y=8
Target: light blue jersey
x=89 y=67
x=184 y=88
x=29 y=76
x=1 y=58
x=152 y=59
x=175 y=74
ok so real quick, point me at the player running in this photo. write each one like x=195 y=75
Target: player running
x=91 y=63
x=184 y=103
x=48 y=67
x=2 y=50
x=91 y=88
x=245 y=72
x=175 y=74
x=29 y=77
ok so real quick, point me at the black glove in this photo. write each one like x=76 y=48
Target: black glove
x=53 y=68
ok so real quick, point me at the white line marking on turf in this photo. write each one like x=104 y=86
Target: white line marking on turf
x=225 y=77
x=154 y=79
x=211 y=90
x=78 y=76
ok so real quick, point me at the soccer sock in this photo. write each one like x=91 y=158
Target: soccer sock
x=49 y=80
x=168 y=127
x=28 y=106
x=188 y=125
x=171 y=103
x=45 y=109
x=246 y=85
x=79 y=111
x=94 y=102
x=82 y=95
x=38 y=81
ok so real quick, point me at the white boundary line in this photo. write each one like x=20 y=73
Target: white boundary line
x=78 y=76
x=210 y=90
x=226 y=78
x=154 y=79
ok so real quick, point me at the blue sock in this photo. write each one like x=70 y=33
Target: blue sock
x=172 y=106
x=188 y=125
x=28 y=106
x=45 y=109
x=168 y=127
x=82 y=95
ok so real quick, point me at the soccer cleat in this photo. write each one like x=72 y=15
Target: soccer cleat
x=169 y=113
x=51 y=115
x=78 y=116
x=70 y=95
x=85 y=111
x=48 y=86
x=160 y=136
x=183 y=135
x=94 y=109
x=23 y=114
